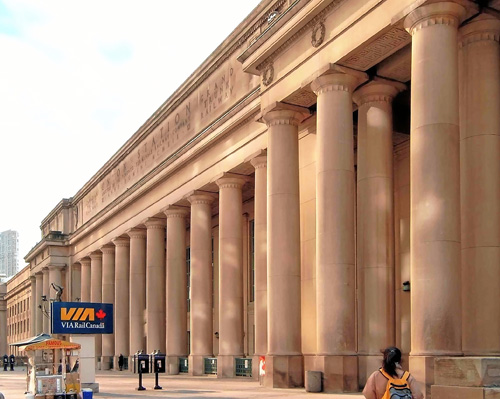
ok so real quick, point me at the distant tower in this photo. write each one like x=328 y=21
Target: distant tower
x=9 y=251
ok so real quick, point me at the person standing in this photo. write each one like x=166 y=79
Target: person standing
x=379 y=382
x=120 y=362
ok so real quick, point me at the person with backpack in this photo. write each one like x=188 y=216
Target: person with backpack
x=391 y=381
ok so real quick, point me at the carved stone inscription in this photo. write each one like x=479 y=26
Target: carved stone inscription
x=205 y=104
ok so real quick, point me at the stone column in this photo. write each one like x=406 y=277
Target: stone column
x=33 y=308
x=46 y=303
x=176 y=334
x=96 y=294
x=284 y=362
x=38 y=303
x=55 y=277
x=335 y=240
x=201 y=313
x=155 y=285
x=230 y=274
x=137 y=290
x=76 y=282
x=480 y=186
x=260 y=254
x=435 y=187
x=375 y=222
x=122 y=297
x=85 y=280
x=108 y=296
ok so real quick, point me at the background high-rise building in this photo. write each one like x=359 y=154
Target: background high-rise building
x=9 y=251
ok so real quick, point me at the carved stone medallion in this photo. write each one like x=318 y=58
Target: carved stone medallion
x=268 y=74
x=318 y=34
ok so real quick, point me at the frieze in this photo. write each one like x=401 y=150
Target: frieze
x=211 y=100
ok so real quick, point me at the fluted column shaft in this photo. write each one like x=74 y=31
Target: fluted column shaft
x=155 y=285
x=230 y=266
x=137 y=290
x=46 y=304
x=335 y=241
x=435 y=180
x=85 y=279
x=96 y=292
x=38 y=303
x=176 y=335
x=260 y=254
x=283 y=231
x=108 y=296
x=480 y=184
x=122 y=296
x=201 y=321
x=375 y=216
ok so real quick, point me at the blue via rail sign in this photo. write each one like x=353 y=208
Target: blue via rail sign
x=82 y=318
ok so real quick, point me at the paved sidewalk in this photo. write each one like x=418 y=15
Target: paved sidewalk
x=122 y=385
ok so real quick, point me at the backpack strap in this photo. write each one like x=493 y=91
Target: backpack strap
x=405 y=376
x=383 y=372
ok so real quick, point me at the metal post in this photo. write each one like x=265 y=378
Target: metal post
x=140 y=387
x=156 y=381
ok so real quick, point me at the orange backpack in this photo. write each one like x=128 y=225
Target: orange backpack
x=397 y=388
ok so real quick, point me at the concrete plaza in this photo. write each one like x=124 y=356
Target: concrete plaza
x=123 y=385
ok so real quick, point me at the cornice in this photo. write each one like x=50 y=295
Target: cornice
x=312 y=26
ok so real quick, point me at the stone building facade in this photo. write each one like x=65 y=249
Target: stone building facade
x=19 y=307
x=326 y=184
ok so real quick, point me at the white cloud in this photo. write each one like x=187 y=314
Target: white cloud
x=76 y=81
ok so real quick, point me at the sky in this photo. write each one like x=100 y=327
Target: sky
x=78 y=78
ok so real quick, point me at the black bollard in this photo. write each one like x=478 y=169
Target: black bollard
x=140 y=387
x=156 y=382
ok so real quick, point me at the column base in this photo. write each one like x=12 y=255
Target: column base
x=367 y=364
x=106 y=362
x=172 y=365
x=226 y=366
x=284 y=371
x=340 y=373
x=196 y=364
x=445 y=392
x=422 y=368
x=467 y=371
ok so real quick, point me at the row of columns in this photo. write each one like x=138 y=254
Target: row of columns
x=453 y=233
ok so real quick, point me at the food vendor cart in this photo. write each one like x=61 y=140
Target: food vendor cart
x=48 y=377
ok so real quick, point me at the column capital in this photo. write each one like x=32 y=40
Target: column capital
x=259 y=162
x=231 y=180
x=176 y=212
x=154 y=223
x=108 y=249
x=284 y=114
x=483 y=28
x=201 y=197
x=56 y=266
x=378 y=90
x=39 y=274
x=337 y=78
x=84 y=261
x=444 y=13
x=136 y=233
x=76 y=265
x=32 y=279
x=97 y=255
x=121 y=241
x=45 y=270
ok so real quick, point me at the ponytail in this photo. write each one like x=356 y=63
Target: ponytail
x=392 y=355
